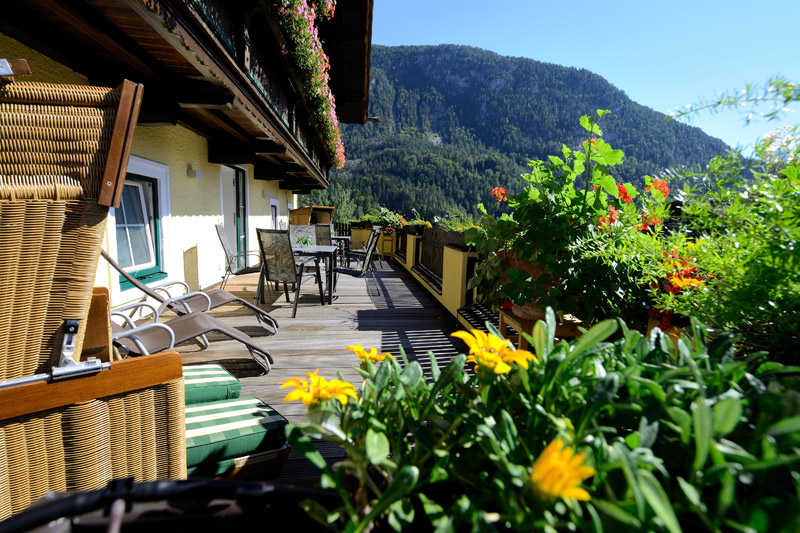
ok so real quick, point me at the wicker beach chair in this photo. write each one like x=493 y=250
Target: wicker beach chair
x=64 y=150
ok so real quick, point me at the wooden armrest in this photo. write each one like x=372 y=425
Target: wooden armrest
x=123 y=376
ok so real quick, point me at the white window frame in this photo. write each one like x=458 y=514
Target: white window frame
x=276 y=203
x=148 y=234
x=160 y=173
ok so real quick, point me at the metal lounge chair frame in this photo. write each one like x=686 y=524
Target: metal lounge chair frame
x=192 y=301
x=157 y=337
x=232 y=259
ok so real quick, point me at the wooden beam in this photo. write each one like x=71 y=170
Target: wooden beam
x=102 y=37
x=130 y=100
x=263 y=170
x=14 y=67
x=202 y=96
x=157 y=111
x=228 y=152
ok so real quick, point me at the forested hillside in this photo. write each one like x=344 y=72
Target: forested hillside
x=457 y=121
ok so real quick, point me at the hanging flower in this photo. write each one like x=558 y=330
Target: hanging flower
x=491 y=353
x=297 y=20
x=372 y=356
x=315 y=390
x=558 y=473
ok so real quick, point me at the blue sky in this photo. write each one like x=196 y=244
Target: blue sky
x=662 y=54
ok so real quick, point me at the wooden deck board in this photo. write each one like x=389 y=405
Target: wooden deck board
x=402 y=315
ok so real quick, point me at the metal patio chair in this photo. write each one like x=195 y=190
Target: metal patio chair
x=232 y=267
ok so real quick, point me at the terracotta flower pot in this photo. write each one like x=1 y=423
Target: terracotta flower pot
x=529 y=310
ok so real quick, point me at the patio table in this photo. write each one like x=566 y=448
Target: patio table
x=325 y=252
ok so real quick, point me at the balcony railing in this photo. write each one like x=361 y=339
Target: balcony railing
x=260 y=60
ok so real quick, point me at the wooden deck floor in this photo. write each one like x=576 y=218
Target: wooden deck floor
x=402 y=315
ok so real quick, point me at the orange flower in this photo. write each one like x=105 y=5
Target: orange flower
x=623 y=193
x=558 y=473
x=500 y=193
x=660 y=186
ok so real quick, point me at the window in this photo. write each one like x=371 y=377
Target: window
x=274 y=211
x=137 y=228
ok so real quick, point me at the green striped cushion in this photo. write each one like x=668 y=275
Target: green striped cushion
x=209 y=383
x=228 y=429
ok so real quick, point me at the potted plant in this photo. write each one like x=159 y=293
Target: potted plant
x=535 y=256
x=415 y=226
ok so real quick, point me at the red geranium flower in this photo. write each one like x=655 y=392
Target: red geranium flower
x=500 y=193
x=659 y=185
x=623 y=194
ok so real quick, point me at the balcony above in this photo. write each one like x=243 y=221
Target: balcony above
x=218 y=68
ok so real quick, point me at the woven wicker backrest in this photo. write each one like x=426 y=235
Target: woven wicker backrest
x=63 y=153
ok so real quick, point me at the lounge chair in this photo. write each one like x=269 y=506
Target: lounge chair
x=232 y=267
x=192 y=301
x=156 y=337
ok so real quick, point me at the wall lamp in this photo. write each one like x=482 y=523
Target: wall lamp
x=191 y=173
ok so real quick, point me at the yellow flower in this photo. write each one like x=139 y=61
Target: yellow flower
x=682 y=283
x=490 y=352
x=558 y=472
x=316 y=390
x=372 y=356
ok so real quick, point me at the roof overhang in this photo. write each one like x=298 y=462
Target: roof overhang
x=214 y=67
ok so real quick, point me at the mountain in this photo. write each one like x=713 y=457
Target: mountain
x=456 y=121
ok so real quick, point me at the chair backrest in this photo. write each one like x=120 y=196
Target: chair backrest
x=372 y=243
x=223 y=239
x=276 y=255
x=130 y=279
x=324 y=232
x=297 y=231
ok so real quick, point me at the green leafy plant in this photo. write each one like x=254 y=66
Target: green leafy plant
x=390 y=221
x=593 y=435
x=736 y=243
x=456 y=220
x=565 y=204
x=305 y=240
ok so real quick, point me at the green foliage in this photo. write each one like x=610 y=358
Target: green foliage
x=553 y=222
x=457 y=121
x=455 y=220
x=680 y=437
x=388 y=220
x=338 y=197
x=747 y=237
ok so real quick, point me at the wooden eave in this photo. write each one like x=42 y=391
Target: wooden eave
x=347 y=41
x=191 y=77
